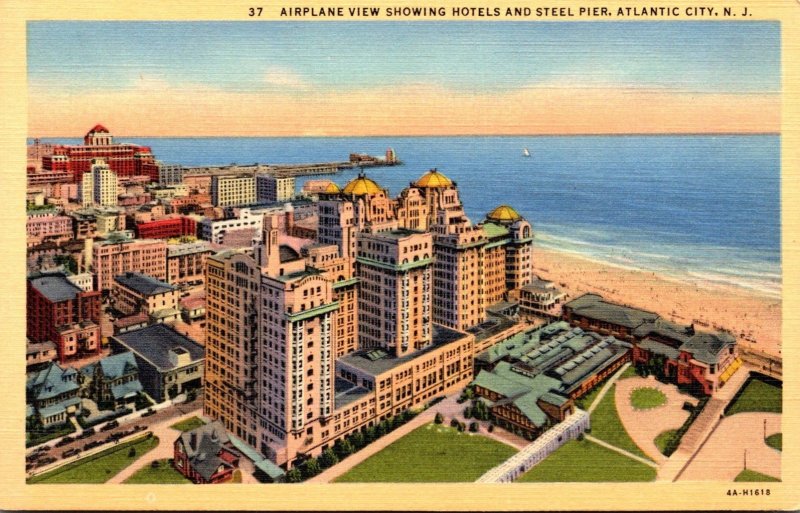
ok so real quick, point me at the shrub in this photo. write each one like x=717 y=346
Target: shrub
x=328 y=458
x=132 y=452
x=155 y=464
x=358 y=441
x=294 y=475
x=454 y=423
x=580 y=437
x=688 y=406
x=438 y=418
x=311 y=468
x=473 y=427
x=491 y=428
x=467 y=412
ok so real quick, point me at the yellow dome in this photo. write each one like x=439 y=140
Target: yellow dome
x=434 y=178
x=361 y=186
x=504 y=213
x=332 y=188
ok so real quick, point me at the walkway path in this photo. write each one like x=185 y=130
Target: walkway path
x=643 y=426
x=721 y=457
x=607 y=387
x=449 y=408
x=702 y=427
x=166 y=436
x=620 y=451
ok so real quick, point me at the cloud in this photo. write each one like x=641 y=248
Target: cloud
x=285 y=78
x=171 y=110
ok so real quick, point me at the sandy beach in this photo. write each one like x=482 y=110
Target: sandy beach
x=755 y=319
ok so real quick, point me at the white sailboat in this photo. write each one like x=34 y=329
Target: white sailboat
x=525 y=152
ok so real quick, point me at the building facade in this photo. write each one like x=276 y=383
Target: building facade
x=233 y=190
x=60 y=312
x=99 y=186
x=270 y=188
x=123 y=159
x=111 y=258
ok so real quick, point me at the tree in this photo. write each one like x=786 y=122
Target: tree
x=311 y=468
x=473 y=427
x=172 y=391
x=132 y=452
x=468 y=412
x=343 y=448
x=294 y=475
x=358 y=440
x=328 y=458
x=438 y=418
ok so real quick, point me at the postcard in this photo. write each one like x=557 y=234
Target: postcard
x=400 y=255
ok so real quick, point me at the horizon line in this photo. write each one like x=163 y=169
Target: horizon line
x=305 y=136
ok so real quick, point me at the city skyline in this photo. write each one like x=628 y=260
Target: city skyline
x=305 y=79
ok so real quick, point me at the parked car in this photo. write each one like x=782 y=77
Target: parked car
x=92 y=444
x=150 y=411
x=86 y=434
x=45 y=461
x=70 y=452
x=64 y=441
x=110 y=425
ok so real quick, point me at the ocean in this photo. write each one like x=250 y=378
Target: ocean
x=695 y=207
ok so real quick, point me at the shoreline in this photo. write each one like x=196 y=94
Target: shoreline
x=753 y=317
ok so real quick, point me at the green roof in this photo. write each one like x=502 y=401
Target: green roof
x=494 y=230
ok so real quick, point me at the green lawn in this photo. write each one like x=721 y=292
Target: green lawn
x=647 y=397
x=431 y=453
x=663 y=439
x=585 y=461
x=775 y=441
x=100 y=467
x=164 y=474
x=751 y=476
x=188 y=424
x=758 y=396
x=607 y=426
x=630 y=372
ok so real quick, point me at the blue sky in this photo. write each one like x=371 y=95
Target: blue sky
x=465 y=56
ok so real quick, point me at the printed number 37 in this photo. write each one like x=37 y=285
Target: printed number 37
x=255 y=11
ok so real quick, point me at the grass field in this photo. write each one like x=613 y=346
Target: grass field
x=100 y=467
x=164 y=474
x=758 y=396
x=431 y=453
x=775 y=441
x=585 y=461
x=646 y=397
x=663 y=438
x=188 y=424
x=751 y=476
x=607 y=426
x=630 y=372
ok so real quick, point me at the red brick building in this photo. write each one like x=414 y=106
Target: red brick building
x=206 y=455
x=124 y=159
x=176 y=226
x=60 y=312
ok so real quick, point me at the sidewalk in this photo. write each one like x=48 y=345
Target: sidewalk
x=166 y=436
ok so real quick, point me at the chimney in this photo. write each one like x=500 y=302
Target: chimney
x=87 y=254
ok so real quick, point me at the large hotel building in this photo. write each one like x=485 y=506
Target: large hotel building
x=124 y=159
x=306 y=344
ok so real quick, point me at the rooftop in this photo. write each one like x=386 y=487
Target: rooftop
x=346 y=393
x=595 y=307
x=153 y=343
x=433 y=179
x=55 y=287
x=706 y=347
x=143 y=284
x=374 y=363
x=202 y=446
